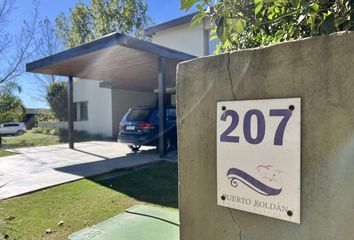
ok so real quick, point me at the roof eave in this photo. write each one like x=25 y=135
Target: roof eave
x=169 y=24
x=114 y=39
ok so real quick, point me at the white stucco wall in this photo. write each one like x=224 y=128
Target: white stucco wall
x=99 y=107
x=106 y=107
x=183 y=38
x=122 y=100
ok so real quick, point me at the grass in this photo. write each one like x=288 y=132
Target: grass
x=35 y=138
x=87 y=202
x=4 y=153
x=28 y=139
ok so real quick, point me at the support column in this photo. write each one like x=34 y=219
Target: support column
x=71 y=112
x=162 y=106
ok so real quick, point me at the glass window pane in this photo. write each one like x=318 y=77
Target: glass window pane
x=171 y=114
x=83 y=111
x=138 y=115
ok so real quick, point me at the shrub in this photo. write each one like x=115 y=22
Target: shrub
x=79 y=136
x=57 y=97
x=243 y=24
x=64 y=134
x=45 y=130
x=54 y=131
x=45 y=115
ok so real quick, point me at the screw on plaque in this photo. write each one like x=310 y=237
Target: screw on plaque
x=223 y=197
x=223 y=108
x=291 y=107
x=290 y=213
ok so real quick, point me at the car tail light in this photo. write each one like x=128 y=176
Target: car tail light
x=146 y=126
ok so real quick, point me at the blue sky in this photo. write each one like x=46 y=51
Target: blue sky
x=159 y=10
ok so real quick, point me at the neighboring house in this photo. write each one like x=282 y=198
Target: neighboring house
x=100 y=108
x=29 y=118
x=177 y=34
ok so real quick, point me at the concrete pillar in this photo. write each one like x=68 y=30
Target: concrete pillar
x=162 y=105
x=71 y=112
x=320 y=71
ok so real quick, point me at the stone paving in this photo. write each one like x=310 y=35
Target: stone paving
x=41 y=167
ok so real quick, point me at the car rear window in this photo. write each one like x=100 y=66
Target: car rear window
x=11 y=125
x=138 y=114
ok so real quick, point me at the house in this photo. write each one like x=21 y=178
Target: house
x=101 y=106
x=29 y=118
x=117 y=72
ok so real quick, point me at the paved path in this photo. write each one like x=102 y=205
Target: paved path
x=41 y=167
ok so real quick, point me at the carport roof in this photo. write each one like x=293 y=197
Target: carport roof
x=123 y=61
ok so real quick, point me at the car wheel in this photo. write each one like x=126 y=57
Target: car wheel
x=20 y=132
x=134 y=148
x=168 y=144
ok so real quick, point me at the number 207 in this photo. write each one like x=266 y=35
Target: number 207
x=279 y=133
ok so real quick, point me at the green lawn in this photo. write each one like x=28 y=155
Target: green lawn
x=86 y=202
x=31 y=139
x=4 y=153
x=28 y=139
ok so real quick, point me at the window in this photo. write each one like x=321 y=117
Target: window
x=11 y=125
x=138 y=114
x=171 y=114
x=81 y=111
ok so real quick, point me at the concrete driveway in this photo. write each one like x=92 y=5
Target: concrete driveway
x=41 y=167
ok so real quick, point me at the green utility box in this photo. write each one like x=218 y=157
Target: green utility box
x=136 y=223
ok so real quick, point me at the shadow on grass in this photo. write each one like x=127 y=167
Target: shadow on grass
x=155 y=183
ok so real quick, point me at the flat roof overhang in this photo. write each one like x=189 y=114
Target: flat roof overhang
x=121 y=61
x=169 y=24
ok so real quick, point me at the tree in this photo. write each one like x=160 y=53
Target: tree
x=15 y=50
x=86 y=23
x=45 y=115
x=243 y=24
x=48 y=45
x=11 y=108
x=57 y=98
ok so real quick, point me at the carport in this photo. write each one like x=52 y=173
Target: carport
x=119 y=61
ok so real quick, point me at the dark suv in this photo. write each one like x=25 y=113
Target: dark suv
x=140 y=126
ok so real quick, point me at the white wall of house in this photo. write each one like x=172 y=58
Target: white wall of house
x=99 y=107
x=183 y=38
x=106 y=107
x=122 y=100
